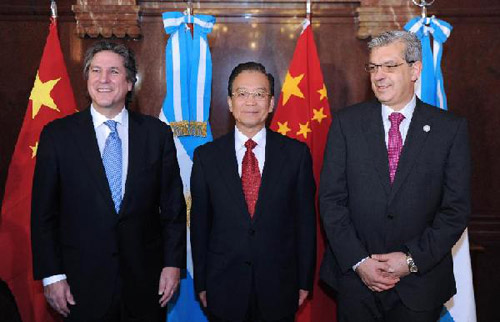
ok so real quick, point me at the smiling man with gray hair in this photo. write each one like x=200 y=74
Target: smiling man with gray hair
x=394 y=194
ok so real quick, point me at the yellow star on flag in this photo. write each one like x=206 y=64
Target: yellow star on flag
x=283 y=128
x=322 y=93
x=40 y=95
x=291 y=87
x=304 y=129
x=34 y=149
x=318 y=115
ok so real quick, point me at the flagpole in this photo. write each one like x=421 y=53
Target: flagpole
x=53 y=9
x=308 y=10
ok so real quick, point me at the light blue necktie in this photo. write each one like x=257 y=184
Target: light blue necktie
x=112 y=160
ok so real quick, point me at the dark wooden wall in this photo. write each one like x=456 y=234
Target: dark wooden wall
x=471 y=69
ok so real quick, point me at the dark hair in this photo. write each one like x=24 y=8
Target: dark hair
x=119 y=49
x=249 y=66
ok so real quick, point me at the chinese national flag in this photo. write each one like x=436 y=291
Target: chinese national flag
x=303 y=113
x=50 y=98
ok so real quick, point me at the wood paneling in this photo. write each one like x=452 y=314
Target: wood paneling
x=267 y=31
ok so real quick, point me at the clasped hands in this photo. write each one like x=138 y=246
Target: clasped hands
x=381 y=272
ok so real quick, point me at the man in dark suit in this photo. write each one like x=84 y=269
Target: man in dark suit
x=252 y=216
x=394 y=194
x=108 y=211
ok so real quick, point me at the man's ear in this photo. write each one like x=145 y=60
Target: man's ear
x=230 y=103
x=416 y=69
x=271 y=105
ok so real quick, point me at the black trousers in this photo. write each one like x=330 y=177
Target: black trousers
x=381 y=307
x=119 y=312
x=253 y=313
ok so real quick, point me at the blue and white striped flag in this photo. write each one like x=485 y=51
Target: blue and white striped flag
x=186 y=108
x=430 y=89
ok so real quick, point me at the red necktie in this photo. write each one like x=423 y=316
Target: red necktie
x=250 y=176
x=395 y=144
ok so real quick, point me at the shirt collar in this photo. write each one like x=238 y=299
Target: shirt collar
x=98 y=119
x=407 y=111
x=240 y=138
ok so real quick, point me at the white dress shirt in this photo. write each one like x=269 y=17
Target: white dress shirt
x=259 y=150
x=102 y=131
x=407 y=111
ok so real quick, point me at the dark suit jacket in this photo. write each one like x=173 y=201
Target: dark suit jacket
x=76 y=230
x=424 y=212
x=278 y=246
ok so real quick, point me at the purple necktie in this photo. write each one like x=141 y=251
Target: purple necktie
x=395 y=143
x=250 y=176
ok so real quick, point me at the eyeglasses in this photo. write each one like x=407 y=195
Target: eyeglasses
x=244 y=95
x=386 y=68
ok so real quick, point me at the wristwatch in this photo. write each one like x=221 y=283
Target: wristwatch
x=411 y=263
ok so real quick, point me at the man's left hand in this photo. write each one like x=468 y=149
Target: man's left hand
x=169 y=281
x=396 y=261
x=302 y=296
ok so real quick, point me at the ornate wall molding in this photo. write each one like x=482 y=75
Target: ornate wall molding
x=375 y=17
x=279 y=11
x=371 y=16
x=107 y=18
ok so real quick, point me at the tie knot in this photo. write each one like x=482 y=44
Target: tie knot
x=250 y=144
x=396 y=118
x=111 y=124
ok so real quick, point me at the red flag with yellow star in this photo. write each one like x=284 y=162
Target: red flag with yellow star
x=303 y=113
x=50 y=98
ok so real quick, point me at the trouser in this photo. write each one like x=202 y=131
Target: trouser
x=119 y=312
x=378 y=307
x=253 y=312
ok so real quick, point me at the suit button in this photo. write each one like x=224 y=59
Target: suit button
x=249 y=263
x=251 y=231
x=390 y=216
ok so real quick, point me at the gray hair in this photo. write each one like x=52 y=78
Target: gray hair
x=119 y=49
x=413 y=48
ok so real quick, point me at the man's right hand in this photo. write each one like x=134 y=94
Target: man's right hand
x=376 y=275
x=59 y=295
x=203 y=298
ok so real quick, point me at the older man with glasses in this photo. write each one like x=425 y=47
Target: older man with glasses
x=253 y=230
x=394 y=194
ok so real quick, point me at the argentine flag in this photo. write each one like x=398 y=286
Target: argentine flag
x=430 y=89
x=186 y=109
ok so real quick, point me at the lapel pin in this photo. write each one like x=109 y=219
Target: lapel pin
x=427 y=128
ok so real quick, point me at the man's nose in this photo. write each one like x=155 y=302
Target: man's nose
x=104 y=77
x=378 y=74
x=251 y=99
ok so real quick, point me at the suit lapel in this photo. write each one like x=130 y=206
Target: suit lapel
x=414 y=142
x=272 y=168
x=375 y=138
x=136 y=145
x=228 y=168
x=87 y=141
